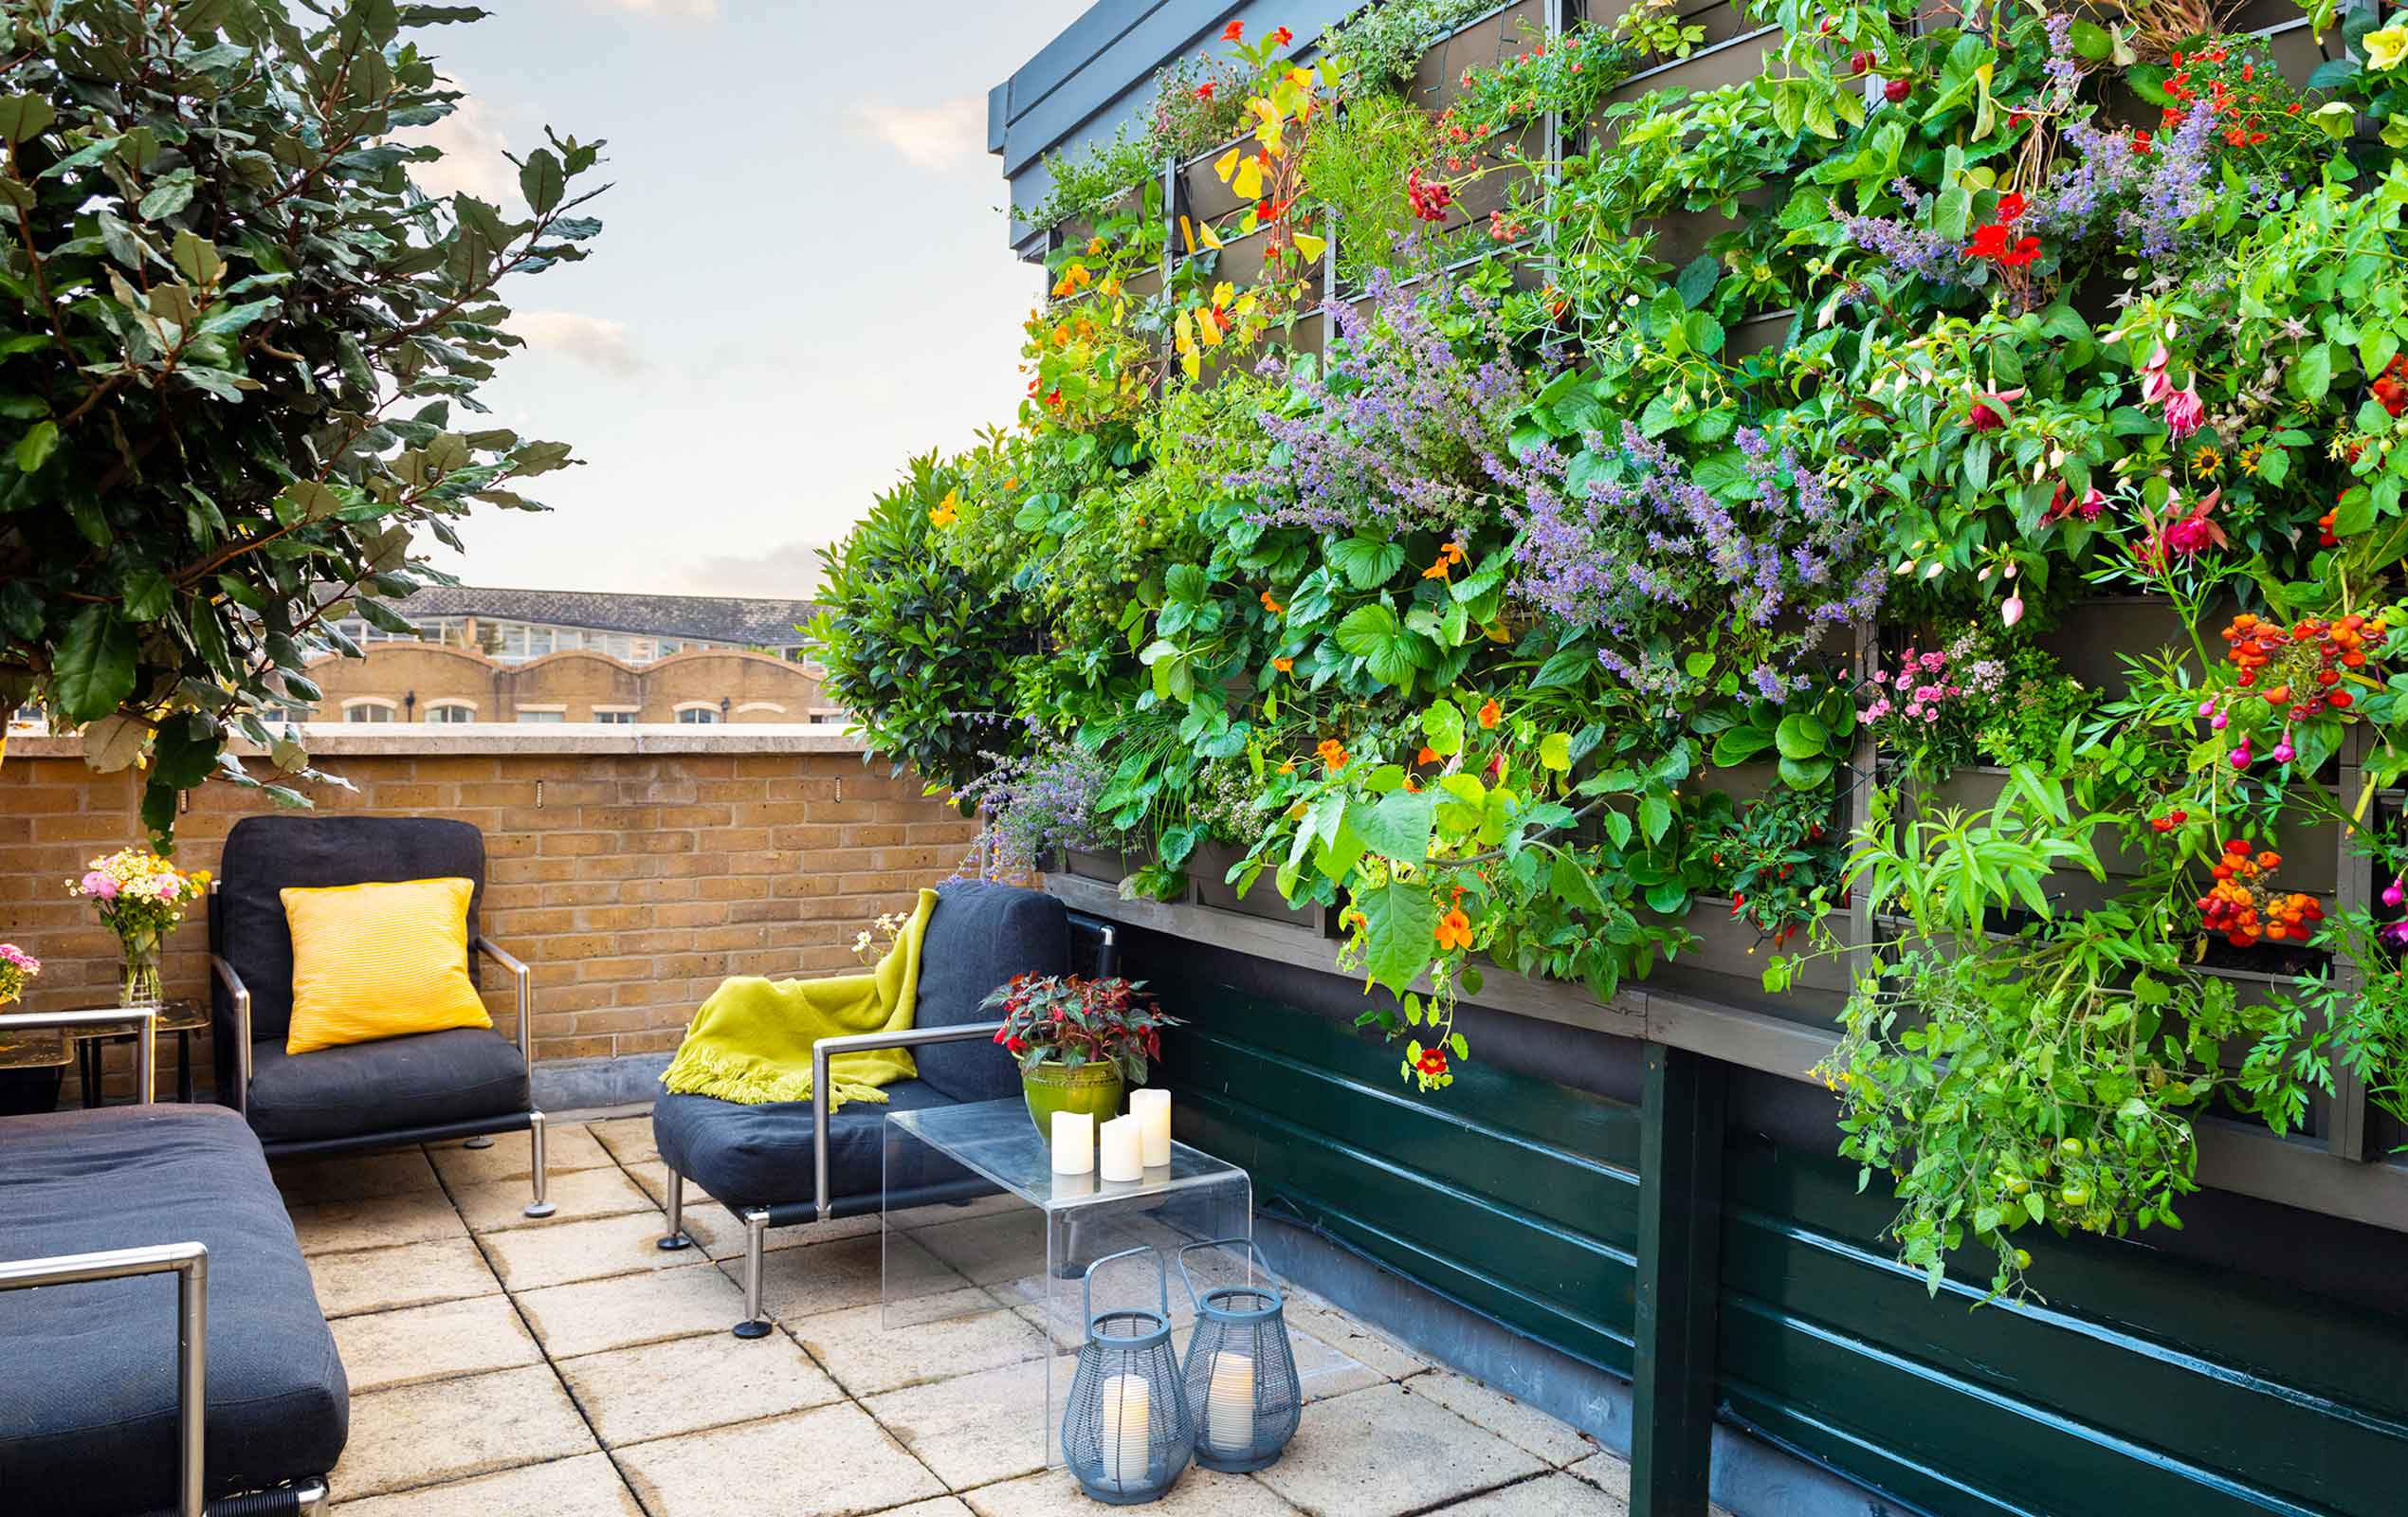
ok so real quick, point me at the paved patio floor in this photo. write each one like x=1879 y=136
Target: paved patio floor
x=507 y=1368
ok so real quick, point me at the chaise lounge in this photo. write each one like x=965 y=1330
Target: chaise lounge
x=217 y=1391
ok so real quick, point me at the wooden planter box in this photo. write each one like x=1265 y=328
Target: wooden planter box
x=1208 y=869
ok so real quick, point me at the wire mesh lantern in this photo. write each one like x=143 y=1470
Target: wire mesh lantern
x=1127 y=1433
x=1241 y=1370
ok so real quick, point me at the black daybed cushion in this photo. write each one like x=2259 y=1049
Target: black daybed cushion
x=981 y=936
x=392 y=1084
x=762 y=1156
x=88 y=1372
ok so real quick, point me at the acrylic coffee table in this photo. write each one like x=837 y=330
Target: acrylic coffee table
x=1024 y=1247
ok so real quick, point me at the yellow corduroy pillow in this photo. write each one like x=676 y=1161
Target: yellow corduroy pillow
x=379 y=961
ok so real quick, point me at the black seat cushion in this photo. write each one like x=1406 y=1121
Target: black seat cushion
x=979 y=936
x=267 y=854
x=392 y=1084
x=88 y=1372
x=762 y=1156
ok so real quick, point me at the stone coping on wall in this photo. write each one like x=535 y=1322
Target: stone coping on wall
x=340 y=739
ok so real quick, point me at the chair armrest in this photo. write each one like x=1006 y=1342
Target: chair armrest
x=1107 y=945
x=190 y=1263
x=828 y=1047
x=525 y=1035
x=146 y=1050
x=240 y=995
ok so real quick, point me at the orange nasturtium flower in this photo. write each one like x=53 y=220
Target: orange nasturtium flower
x=1427 y=756
x=1331 y=754
x=1286 y=666
x=1270 y=605
x=1287 y=766
x=943 y=515
x=1454 y=931
x=1489 y=712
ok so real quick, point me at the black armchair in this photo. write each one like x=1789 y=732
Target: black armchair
x=426 y=1087
x=795 y=1162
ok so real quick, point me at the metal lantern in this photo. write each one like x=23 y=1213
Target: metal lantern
x=1127 y=1433
x=1241 y=1372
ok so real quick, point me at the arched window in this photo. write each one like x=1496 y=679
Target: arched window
x=451 y=711
x=369 y=709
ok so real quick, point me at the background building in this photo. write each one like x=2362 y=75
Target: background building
x=482 y=654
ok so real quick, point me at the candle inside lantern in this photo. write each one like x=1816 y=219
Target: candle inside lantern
x=1229 y=1406
x=1123 y=1150
x=1126 y=1406
x=1152 y=1108
x=1073 y=1143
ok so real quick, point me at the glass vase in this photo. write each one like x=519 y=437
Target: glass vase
x=139 y=985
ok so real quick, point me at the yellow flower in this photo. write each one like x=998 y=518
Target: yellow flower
x=2206 y=460
x=2385 y=48
x=943 y=516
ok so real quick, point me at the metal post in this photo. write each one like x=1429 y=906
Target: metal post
x=676 y=1238
x=539 y=1207
x=1679 y=1268
x=753 y=1325
x=192 y=1361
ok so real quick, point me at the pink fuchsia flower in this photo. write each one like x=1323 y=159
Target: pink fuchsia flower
x=2184 y=412
x=2091 y=505
x=1990 y=411
x=2155 y=386
x=98 y=887
x=2282 y=754
x=2011 y=611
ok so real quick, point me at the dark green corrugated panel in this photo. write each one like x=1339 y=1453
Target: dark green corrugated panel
x=1485 y=1198
x=1828 y=1345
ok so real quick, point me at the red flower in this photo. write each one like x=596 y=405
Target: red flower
x=1433 y=1061
x=1234 y=32
x=2139 y=144
x=1984 y=419
x=2010 y=208
x=2025 y=251
x=1204 y=91
x=1282 y=37
x=1430 y=201
x=1988 y=242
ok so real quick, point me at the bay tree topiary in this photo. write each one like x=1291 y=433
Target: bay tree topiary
x=240 y=352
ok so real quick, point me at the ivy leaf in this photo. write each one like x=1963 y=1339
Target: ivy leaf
x=1400 y=933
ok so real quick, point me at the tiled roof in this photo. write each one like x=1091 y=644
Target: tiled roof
x=715 y=618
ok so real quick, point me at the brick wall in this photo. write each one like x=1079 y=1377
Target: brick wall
x=632 y=871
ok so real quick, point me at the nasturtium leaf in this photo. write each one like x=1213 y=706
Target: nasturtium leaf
x=1555 y=751
x=1442 y=727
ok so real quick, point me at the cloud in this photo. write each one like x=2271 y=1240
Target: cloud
x=949 y=134
x=472 y=161
x=587 y=339
x=674 y=10
x=790 y=569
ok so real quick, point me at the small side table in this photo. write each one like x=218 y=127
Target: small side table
x=181 y=1018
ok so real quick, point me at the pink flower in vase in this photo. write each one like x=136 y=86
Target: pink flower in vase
x=99 y=886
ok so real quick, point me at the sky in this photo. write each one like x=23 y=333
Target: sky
x=802 y=280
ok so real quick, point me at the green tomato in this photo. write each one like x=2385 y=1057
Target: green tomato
x=2075 y=1196
x=2072 y=1148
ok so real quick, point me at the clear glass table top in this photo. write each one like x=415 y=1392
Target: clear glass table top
x=998 y=1139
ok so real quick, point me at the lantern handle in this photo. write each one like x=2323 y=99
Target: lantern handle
x=1087 y=1282
x=1270 y=1280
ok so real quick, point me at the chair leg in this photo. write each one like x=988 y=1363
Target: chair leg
x=676 y=1238
x=482 y=1139
x=539 y=1207
x=754 y=1324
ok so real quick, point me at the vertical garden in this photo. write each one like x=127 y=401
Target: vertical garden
x=1908 y=515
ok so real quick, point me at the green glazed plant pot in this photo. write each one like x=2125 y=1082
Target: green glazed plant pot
x=1094 y=1089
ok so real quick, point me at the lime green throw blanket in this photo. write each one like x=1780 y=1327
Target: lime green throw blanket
x=751 y=1042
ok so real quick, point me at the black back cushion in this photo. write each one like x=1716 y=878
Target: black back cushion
x=979 y=936
x=264 y=855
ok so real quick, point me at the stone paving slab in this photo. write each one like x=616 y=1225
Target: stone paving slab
x=502 y=1369
x=450 y=1337
x=341 y=1226
x=413 y=1274
x=512 y=1157
x=501 y=1206
x=446 y=1430
x=1385 y=1452
x=832 y=1462
x=686 y=1384
x=620 y=1312
x=585 y=1485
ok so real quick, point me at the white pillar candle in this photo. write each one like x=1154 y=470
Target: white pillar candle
x=1073 y=1143
x=1229 y=1406
x=1152 y=1108
x=1126 y=1407
x=1123 y=1150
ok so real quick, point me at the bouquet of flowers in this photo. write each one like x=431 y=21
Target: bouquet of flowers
x=16 y=967
x=1075 y=1022
x=140 y=896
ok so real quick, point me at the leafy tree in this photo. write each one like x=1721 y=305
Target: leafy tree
x=237 y=349
x=915 y=647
